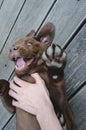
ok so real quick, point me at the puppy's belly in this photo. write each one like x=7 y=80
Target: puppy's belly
x=26 y=121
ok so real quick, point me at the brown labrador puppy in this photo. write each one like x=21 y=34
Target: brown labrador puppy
x=35 y=53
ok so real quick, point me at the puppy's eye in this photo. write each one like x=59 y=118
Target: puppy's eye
x=29 y=43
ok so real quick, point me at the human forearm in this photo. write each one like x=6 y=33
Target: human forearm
x=48 y=119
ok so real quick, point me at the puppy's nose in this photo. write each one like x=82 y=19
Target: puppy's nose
x=13 y=49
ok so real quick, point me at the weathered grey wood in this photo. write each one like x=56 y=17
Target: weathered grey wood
x=4 y=115
x=27 y=20
x=1 y=3
x=11 y=125
x=66 y=15
x=76 y=66
x=8 y=13
x=78 y=104
x=75 y=32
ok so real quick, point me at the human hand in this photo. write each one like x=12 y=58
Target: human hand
x=34 y=98
x=30 y=97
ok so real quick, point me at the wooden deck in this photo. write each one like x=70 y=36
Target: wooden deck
x=18 y=17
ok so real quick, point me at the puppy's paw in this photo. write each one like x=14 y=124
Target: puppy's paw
x=55 y=56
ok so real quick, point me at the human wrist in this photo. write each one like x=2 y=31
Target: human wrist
x=43 y=115
x=45 y=106
x=48 y=119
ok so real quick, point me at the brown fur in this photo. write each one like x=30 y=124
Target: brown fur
x=32 y=47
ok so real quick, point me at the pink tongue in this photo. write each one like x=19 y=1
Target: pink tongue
x=20 y=62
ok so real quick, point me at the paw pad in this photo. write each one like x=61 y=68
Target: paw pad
x=54 y=56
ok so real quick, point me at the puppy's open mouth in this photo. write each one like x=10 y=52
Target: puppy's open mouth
x=22 y=64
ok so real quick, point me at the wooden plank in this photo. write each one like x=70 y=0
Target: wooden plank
x=4 y=115
x=76 y=66
x=66 y=15
x=1 y=3
x=28 y=19
x=11 y=125
x=75 y=32
x=8 y=15
x=78 y=104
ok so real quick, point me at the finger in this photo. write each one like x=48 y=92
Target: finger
x=13 y=94
x=37 y=78
x=15 y=103
x=14 y=87
x=11 y=82
x=17 y=80
x=20 y=82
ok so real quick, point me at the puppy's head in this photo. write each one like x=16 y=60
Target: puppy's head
x=27 y=51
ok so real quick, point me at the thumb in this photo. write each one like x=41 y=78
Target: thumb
x=40 y=81
x=37 y=77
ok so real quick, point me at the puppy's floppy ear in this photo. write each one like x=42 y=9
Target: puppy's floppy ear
x=31 y=33
x=46 y=34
